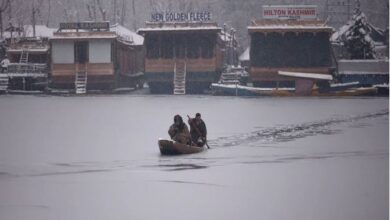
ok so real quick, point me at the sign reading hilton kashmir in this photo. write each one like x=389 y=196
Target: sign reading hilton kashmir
x=181 y=16
x=290 y=12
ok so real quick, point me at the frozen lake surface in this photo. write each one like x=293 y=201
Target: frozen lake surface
x=96 y=157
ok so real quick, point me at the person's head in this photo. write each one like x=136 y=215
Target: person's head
x=178 y=120
x=197 y=116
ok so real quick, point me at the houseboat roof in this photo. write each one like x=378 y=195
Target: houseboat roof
x=83 y=35
x=127 y=36
x=31 y=50
x=179 y=26
x=30 y=44
x=268 y=25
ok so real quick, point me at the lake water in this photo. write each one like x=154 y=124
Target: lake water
x=96 y=157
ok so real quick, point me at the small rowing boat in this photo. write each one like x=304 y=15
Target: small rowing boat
x=168 y=147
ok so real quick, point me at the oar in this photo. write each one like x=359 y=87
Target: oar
x=197 y=130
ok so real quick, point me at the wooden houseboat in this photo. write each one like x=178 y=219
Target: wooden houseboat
x=129 y=57
x=90 y=55
x=28 y=69
x=288 y=44
x=29 y=57
x=182 y=57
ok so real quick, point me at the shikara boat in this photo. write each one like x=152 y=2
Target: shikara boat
x=168 y=147
x=240 y=90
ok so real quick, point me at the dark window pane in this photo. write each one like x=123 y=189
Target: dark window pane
x=152 y=47
x=81 y=52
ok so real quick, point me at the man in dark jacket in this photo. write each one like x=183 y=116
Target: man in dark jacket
x=198 y=130
x=178 y=131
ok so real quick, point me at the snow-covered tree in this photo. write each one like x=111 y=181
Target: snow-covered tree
x=357 y=38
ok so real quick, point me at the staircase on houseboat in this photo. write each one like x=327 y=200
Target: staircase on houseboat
x=4 y=82
x=179 y=80
x=81 y=81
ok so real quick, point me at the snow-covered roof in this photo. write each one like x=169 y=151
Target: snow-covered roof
x=126 y=35
x=179 y=26
x=374 y=33
x=83 y=35
x=245 y=55
x=40 y=31
x=32 y=50
x=343 y=29
x=268 y=25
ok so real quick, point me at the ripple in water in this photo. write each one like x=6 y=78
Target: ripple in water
x=291 y=132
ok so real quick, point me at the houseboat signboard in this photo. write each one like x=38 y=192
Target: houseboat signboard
x=85 y=25
x=290 y=12
x=181 y=16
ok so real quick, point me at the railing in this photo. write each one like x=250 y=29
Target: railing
x=27 y=69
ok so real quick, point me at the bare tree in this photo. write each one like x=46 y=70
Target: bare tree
x=101 y=9
x=114 y=17
x=48 y=12
x=123 y=14
x=4 y=4
x=35 y=11
x=134 y=16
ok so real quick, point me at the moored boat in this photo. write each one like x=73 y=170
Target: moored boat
x=168 y=147
x=240 y=90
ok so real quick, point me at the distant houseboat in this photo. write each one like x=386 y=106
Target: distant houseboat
x=88 y=55
x=29 y=57
x=295 y=45
x=182 y=57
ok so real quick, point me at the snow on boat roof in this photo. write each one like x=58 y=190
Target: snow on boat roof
x=306 y=75
x=83 y=35
x=127 y=35
x=32 y=50
x=237 y=86
x=179 y=26
x=287 y=25
x=245 y=55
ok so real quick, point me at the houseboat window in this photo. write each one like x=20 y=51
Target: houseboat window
x=258 y=53
x=306 y=49
x=289 y=56
x=321 y=49
x=167 y=45
x=152 y=47
x=207 y=47
x=81 y=52
x=180 y=46
x=193 y=49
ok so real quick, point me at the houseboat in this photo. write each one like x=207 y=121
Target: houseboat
x=182 y=57
x=292 y=39
x=28 y=69
x=28 y=52
x=91 y=56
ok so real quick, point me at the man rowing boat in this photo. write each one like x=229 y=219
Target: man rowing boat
x=198 y=130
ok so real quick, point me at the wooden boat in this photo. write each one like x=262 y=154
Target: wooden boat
x=168 y=147
x=240 y=90
x=362 y=91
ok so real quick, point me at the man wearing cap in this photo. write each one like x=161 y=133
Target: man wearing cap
x=198 y=130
